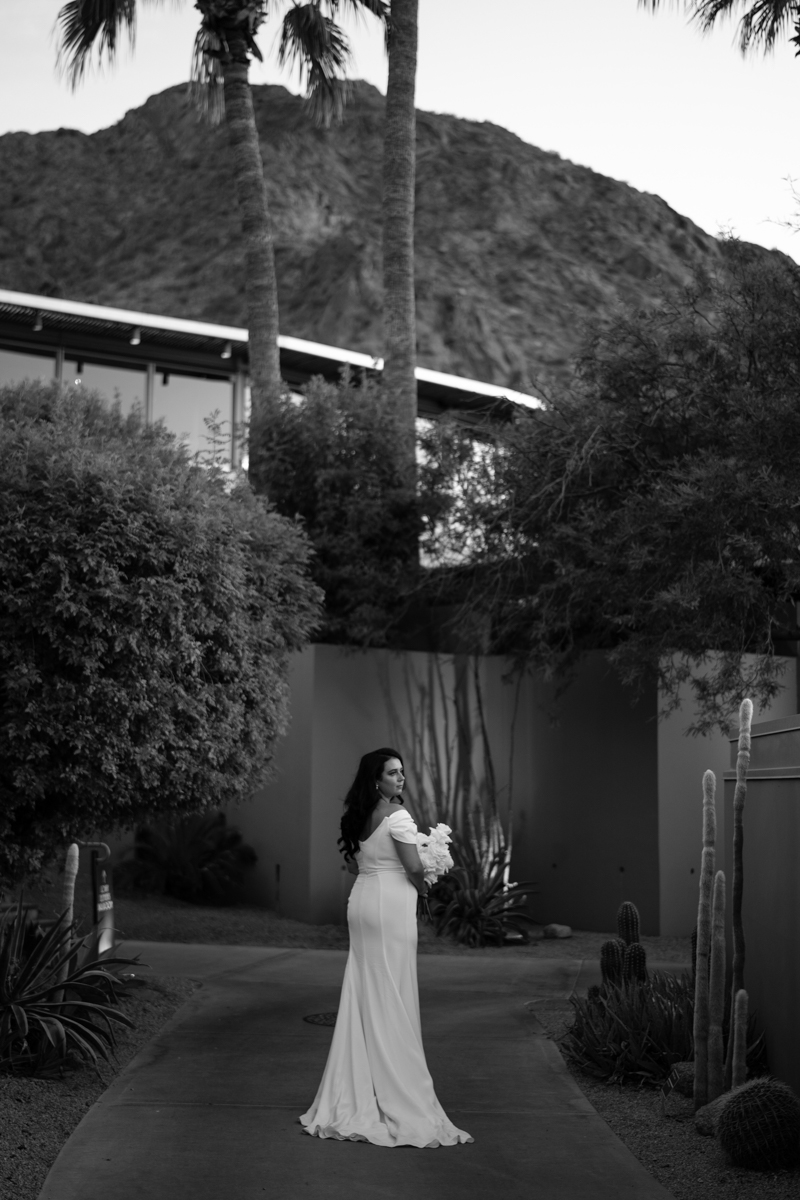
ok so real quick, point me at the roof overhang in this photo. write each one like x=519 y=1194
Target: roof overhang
x=48 y=324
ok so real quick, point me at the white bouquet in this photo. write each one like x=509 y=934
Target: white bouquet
x=434 y=852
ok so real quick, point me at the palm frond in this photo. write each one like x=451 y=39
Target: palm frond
x=760 y=27
x=316 y=45
x=87 y=24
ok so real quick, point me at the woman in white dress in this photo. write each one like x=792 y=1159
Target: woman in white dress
x=376 y=1086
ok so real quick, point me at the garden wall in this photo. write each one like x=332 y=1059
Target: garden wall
x=771 y=895
x=581 y=777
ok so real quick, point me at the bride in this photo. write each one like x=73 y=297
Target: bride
x=376 y=1086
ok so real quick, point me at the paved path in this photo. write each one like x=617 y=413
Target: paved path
x=208 y=1110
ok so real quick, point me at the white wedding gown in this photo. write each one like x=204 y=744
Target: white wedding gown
x=376 y=1086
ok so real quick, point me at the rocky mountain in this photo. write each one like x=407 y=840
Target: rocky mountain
x=516 y=249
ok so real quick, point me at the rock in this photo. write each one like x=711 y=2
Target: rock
x=684 y=1084
x=557 y=931
x=705 y=1119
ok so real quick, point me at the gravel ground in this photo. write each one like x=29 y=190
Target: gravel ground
x=689 y=1166
x=38 y=1115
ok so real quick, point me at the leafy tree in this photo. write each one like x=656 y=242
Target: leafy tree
x=653 y=512
x=225 y=44
x=762 y=23
x=335 y=459
x=147 y=612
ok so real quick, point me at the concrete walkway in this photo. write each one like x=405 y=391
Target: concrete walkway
x=208 y=1110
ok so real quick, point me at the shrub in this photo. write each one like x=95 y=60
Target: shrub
x=147 y=611
x=335 y=458
x=198 y=858
x=46 y=1018
x=472 y=903
x=632 y=1030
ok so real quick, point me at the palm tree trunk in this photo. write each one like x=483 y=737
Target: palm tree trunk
x=399 y=152
x=261 y=288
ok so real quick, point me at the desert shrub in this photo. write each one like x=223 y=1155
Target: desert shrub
x=198 y=858
x=48 y=1019
x=147 y=612
x=633 y=1030
x=472 y=902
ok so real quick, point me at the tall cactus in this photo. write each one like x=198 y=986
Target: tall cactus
x=742 y=763
x=634 y=964
x=628 y=922
x=611 y=958
x=704 y=941
x=739 y=1038
x=716 y=993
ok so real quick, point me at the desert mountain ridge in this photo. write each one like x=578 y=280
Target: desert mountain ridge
x=516 y=248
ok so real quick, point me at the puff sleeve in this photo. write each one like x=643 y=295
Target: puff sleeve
x=402 y=828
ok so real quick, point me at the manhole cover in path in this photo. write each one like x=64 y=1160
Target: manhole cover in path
x=321 y=1018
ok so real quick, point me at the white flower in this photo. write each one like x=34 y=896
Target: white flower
x=434 y=852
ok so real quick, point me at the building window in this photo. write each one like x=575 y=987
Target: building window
x=15 y=367
x=125 y=386
x=183 y=402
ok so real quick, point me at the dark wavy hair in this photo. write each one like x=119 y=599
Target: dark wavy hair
x=362 y=798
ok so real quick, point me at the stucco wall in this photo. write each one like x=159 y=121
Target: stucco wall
x=586 y=826
x=682 y=762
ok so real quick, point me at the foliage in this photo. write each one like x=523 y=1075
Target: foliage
x=762 y=23
x=474 y=903
x=198 y=858
x=652 y=512
x=632 y=1030
x=46 y=1021
x=759 y=1125
x=310 y=39
x=334 y=458
x=147 y=611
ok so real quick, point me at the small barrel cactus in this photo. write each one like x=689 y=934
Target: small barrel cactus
x=634 y=964
x=611 y=956
x=759 y=1124
x=628 y=922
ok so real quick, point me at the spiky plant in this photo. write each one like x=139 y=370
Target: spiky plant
x=704 y=941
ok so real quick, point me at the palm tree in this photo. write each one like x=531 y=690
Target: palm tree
x=224 y=47
x=399 y=170
x=762 y=23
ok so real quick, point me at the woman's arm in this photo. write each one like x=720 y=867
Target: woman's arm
x=409 y=857
x=352 y=866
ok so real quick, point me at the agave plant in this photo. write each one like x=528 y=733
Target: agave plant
x=47 y=1020
x=199 y=858
x=474 y=903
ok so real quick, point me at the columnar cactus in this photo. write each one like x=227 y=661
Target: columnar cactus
x=739 y=1038
x=759 y=1124
x=628 y=922
x=716 y=993
x=611 y=955
x=742 y=763
x=68 y=901
x=634 y=964
x=704 y=941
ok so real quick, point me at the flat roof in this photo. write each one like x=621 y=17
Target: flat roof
x=99 y=331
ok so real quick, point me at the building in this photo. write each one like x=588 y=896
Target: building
x=182 y=371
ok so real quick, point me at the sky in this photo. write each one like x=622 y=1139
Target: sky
x=642 y=98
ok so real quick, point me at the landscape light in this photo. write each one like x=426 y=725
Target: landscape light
x=136 y=337
x=226 y=353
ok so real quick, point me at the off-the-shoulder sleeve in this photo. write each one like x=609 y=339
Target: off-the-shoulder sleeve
x=402 y=828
